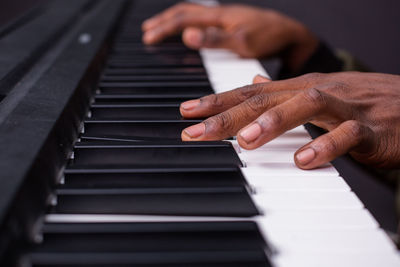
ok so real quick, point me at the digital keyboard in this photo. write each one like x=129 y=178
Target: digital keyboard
x=95 y=173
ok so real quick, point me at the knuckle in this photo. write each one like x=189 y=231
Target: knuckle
x=222 y=123
x=356 y=130
x=244 y=93
x=257 y=102
x=179 y=18
x=315 y=97
x=313 y=76
x=273 y=119
x=248 y=91
x=213 y=101
x=337 y=86
x=330 y=145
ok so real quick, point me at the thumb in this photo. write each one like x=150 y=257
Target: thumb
x=210 y=37
x=260 y=79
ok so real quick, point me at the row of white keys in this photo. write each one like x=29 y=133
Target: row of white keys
x=311 y=218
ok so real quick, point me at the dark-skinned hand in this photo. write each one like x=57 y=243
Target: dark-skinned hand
x=360 y=111
x=248 y=31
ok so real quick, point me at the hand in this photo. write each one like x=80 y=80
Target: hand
x=360 y=111
x=248 y=31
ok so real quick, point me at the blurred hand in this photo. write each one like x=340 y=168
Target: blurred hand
x=360 y=111
x=248 y=31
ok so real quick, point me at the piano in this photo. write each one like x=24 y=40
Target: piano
x=93 y=171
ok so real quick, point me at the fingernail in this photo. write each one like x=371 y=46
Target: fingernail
x=191 y=104
x=306 y=156
x=196 y=130
x=251 y=133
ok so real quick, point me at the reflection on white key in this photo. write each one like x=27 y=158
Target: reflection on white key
x=330 y=241
x=335 y=259
x=292 y=183
x=259 y=156
x=284 y=169
x=284 y=143
x=307 y=200
x=228 y=71
x=280 y=220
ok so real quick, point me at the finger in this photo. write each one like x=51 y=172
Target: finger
x=228 y=123
x=199 y=17
x=217 y=103
x=210 y=37
x=168 y=13
x=260 y=79
x=331 y=145
x=303 y=107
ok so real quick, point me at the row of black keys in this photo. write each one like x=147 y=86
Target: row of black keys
x=131 y=134
x=165 y=244
x=130 y=160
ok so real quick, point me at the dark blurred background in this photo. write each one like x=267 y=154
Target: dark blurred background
x=369 y=29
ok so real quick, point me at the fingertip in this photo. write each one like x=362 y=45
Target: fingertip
x=185 y=136
x=193 y=132
x=260 y=79
x=193 y=37
x=250 y=133
x=187 y=107
x=305 y=156
x=150 y=37
x=308 y=158
x=190 y=104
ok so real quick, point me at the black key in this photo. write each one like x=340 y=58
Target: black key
x=154 y=84
x=152 y=259
x=181 y=71
x=188 y=58
x=204 y=177
x=124 y=138
x=120 y=50
x=151 y=236
x=145 y=98
x=152 y=244
x=153 y=78
x=135 y=111
x=165 y=88
x=230 y=202
x=149 y=64
x=170 y=129
x=160 y=153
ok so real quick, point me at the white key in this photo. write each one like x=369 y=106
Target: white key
x=335 y=259
x=274 y=220
x=278 y=220
x=258 y=156
x=228 y=71
x=306 y=200
x=293 y=183
x=284 y=169
x=371 y=240
x=283 y=143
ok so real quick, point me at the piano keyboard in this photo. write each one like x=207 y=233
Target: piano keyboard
x=133 y=194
